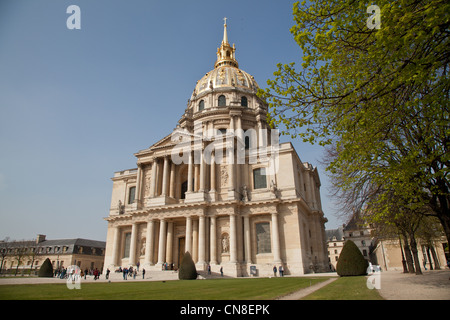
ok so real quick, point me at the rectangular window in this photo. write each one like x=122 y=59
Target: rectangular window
x=263 y=238
x=126 y=252
x=259 y=178
x=131 y=195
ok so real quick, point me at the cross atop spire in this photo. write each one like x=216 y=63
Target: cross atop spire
x=225 y=35
x=225 y=53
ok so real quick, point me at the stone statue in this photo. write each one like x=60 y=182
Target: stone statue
x=143 y=247
x=273 y=188
x=225 y=244
x=121 y=207
x=244 y=193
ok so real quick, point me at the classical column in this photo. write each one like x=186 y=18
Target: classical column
x=133 y=240
x=137 y=197
x=247 y=240
x=213 y=240
x=240 y=145
x=162 y=242
x=188 y=240
x=202 y=173
x=169 y=242
x=149 y=243
x=230 y=160
x=213 y=172
x=194 y=252
x=116 y=245
x=165 y=176
x=153 y=180
x=233 y=240
x=262 y=141
x=201 y=240
x=275 y=238
x=190 y=173
x=196 y=168
x=172 y=181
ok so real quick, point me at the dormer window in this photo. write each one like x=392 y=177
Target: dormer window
x=244 y=102
x=222 y=101
x=201 y=105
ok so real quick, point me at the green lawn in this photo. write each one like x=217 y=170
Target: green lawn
x=220 y=289
x=346 y=288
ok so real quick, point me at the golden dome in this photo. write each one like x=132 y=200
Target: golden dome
x=226 y=77
x=226 y=72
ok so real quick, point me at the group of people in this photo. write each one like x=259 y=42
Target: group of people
x=63 y=274
x=280 y=271
x=127 y=272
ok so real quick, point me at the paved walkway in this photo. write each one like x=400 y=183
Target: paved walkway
x=297 y=295
x=432 y=285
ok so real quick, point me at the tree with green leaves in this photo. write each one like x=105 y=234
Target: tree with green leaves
x=380 y=97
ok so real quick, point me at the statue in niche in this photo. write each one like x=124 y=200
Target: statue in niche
x=225 y=243
x=143 y=246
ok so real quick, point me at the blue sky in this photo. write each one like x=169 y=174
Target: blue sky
x=75 y=105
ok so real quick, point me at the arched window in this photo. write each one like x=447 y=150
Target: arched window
x=222 y=101
x=201 y=105
x=244 y=102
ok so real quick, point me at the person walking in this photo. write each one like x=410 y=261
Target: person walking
x=274 y=271
x=143 y=273
x=221 y=271
x=280 y=270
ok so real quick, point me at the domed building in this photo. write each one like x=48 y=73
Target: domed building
x=220 y=186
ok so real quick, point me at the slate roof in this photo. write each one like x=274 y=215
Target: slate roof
x=338 y=233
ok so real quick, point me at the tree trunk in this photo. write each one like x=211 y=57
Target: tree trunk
x=445 y=221
x=405 y=267
x=429 y=257
x=409 y=258
x=435 y=259
x=415 y=254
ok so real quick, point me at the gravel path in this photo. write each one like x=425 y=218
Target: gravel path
x=432 y=285
x=297 y=295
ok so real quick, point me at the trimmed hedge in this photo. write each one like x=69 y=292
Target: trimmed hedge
x=46 y=270
x=351 y=261
x=187 y=269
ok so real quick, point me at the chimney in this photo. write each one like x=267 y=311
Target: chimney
x=40 y=238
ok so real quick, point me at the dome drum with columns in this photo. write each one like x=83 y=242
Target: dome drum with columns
x=226 y=213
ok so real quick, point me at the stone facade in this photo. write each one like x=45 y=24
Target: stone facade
x=221 y=187
x=26 y=255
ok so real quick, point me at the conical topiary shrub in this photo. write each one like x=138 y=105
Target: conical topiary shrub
x=46 y=270
x=351 y=261
x=187 y=269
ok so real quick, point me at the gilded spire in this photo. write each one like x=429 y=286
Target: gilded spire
x=225 y=36
x=225 y=53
